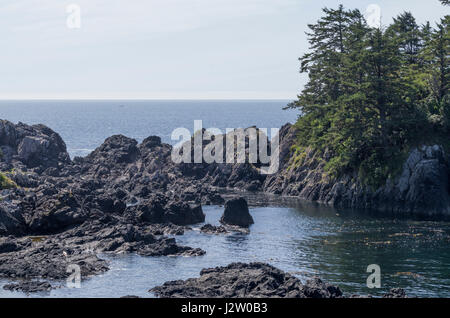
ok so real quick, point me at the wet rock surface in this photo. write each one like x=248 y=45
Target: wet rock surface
x=211 y=229
x=254 y=280
x=239 y=280
x=29 y=287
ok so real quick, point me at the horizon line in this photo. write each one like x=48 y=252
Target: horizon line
x=145 y=99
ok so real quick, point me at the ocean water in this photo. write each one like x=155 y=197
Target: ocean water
x=84 y=125
x=301 y=238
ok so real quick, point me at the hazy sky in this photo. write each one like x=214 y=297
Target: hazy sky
x=165 y=48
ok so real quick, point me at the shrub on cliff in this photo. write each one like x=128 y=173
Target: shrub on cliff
x=6 y=183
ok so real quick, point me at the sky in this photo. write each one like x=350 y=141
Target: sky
x=165 y=49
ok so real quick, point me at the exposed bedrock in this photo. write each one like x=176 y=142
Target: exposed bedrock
x=254 y=280
x=27 y=286
x=239 y=280
x=236 y=213
x=35 y=146
x=422 y=188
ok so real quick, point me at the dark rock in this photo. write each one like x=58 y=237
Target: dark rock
x=56 y=213
x=29 y=287
x=239 y=280
x=211 y=229
x=396 y=293
x=421 y=189
x=49 y=259
x=151 y=142
x=35 y=146
x=316 y=288
x=151 y=211
x=180 y=213
x=236 y=213
x=8 y=244
x=213 y=198
x=11 y=218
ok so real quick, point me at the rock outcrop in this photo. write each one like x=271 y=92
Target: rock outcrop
x=236 y=213
x=254 y=280
x=211 y=229
x=34 y=146
x=422 y=188
x=239 y=280
x=122 y=198
x=29 y=286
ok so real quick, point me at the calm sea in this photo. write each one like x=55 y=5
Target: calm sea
x=84 y=125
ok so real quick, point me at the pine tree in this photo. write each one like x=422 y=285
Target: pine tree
x=324 y=63
x=364 y=102
x=406 y=31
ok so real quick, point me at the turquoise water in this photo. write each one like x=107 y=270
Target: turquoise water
x=300 y=238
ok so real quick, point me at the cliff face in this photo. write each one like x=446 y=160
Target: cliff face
x=39 y=159
x=422 y=188
x=34 y=146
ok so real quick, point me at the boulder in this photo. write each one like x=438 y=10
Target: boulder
x=395 y=293
x=211 y=229
x=11 y=219
x=181 y=213
x=36 y=146
x=236 y=213
x=56 y=213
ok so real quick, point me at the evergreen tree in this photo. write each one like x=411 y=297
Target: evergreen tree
x=437 y=54
x=371 y=92
x=328 y=39
x=406 y=31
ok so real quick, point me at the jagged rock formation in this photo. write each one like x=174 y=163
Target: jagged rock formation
x=115 y=200
x=236 y=213
x=29 y=286
x=421 y=189
x=254 y=280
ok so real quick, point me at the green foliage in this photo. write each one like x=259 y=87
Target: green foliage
x=6 y=183
x=372 y=92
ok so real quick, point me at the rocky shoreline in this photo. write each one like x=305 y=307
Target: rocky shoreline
x=128 y=197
